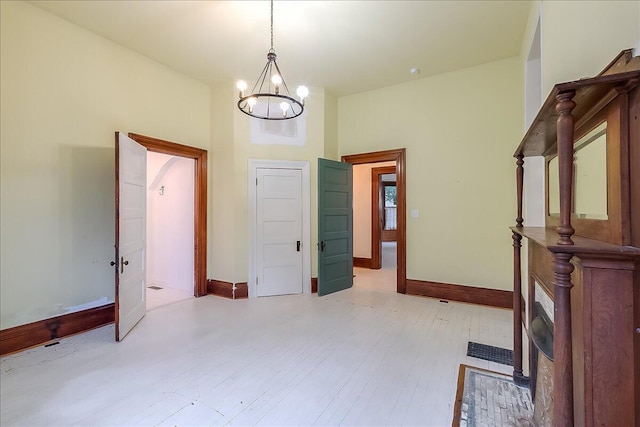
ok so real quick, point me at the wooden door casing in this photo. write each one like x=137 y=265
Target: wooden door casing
x=200 y=200
x=399 y=156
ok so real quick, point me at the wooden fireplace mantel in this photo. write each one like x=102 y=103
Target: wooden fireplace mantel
x=590 y=268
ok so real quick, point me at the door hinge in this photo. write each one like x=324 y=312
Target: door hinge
x=256 y=181
x=256 y=280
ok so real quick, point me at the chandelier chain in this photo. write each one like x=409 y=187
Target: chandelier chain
x=271 y=25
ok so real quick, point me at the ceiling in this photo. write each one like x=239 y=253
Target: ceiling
x=344 y=46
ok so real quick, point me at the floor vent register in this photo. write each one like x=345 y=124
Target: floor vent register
x=490 y=353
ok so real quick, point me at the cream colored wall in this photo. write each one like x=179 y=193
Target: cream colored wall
x=459 y=130
x=331 y=149
x=579 y=38
x=64 y=93
x=222 y=197
x=362 y=208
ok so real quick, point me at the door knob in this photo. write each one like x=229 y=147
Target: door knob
x=322 y=245
x=298 y=246
x=112 y=263
x=122 y=264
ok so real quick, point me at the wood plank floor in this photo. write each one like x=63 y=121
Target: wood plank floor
x=364 y=356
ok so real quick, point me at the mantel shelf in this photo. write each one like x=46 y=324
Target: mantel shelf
x=540 y=140
x=548 y=238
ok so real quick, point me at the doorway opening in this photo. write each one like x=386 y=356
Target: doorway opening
x=398 y=159
x=384 y=214
x=387 y=208
x=169 y=239
x=194 y=160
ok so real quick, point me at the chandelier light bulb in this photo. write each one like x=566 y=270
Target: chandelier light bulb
x=251 y=102
x=242 y=86
x=284 y=107
x=277 y=81
x=302 y=92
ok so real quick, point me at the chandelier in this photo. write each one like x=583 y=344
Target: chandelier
x=270 y=98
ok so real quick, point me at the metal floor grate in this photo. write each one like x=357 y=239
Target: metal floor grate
x=490 y=353
x=155 y=288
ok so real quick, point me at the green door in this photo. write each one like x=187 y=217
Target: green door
x=335 y=226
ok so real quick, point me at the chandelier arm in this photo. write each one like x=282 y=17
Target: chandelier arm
x=262 y=75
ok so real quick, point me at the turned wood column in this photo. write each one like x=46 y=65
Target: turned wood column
x=562 y=269
x=518 y=375
x=565 y=164
x=519 y=188
x=562 y=349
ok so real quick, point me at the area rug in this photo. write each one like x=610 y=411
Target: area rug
x=490 y=399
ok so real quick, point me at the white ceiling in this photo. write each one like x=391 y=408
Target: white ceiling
x=344 y=46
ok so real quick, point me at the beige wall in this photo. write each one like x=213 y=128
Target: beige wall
x=459 y=130
x=64 y=93
x=579 y=38
x=362 y=208
x=222 y=232
x=331 y=127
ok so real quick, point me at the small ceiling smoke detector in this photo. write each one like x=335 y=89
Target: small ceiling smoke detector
x=414 y=70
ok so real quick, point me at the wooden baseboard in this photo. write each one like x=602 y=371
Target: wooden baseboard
x=220 y=288
x=44 y=331
x=314 y=285
x=241 y=290
x=461 y=293
x=362 y=262
x=227 y=289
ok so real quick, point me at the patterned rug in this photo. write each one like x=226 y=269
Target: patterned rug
x=490 y=399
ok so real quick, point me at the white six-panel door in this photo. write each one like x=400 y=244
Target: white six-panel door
x=279 y=232
x=131 y=179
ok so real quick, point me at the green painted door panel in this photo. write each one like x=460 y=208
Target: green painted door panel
x=335 y=226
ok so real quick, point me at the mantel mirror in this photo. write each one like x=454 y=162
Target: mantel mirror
x=589 y=177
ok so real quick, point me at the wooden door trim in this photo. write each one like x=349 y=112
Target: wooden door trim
x=399 y=156
x=200 y=200
x=376 y=233
x=116 y=281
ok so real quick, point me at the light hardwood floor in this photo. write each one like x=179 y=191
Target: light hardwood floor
x=364 y=356
x=157 y=298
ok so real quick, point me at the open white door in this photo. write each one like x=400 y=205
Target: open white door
x=131 y=206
